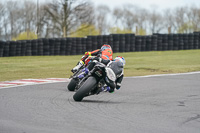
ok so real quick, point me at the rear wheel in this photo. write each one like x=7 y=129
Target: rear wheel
x=85 y=89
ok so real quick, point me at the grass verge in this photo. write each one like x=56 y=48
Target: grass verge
x=137 y=64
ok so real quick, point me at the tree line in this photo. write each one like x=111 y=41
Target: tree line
x=79 y=18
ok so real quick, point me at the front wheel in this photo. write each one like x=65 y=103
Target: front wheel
x=85 y=89
x=72 y=84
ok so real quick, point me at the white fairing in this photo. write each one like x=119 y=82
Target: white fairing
x=110 y=74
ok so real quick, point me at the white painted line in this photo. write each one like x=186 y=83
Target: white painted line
x=25 y=82
x=160 y=75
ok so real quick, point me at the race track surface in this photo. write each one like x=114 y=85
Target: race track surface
x=161 y=104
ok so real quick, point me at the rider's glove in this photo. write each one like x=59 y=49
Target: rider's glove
x=88 y=53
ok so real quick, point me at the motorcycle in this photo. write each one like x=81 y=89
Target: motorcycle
x=100 y=76
x=74 y=81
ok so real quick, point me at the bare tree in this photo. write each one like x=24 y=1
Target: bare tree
x=126 y=16
x=30 y=16
x=193 y=16
x=12 y=10
x=180 y=17
x=142 y=18
x=2 y=12
x=102 y=12
x=168 y=18
x=155 y=21
x=65 y=15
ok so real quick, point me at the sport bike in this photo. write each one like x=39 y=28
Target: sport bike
x=96 y=80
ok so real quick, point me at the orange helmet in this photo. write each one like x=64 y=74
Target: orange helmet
x=105 y=46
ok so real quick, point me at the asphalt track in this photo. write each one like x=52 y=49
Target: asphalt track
x=160 y=104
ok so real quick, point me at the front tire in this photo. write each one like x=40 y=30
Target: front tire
x=85 y=89
x=72 y=84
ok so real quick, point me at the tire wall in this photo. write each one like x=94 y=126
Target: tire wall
x=119 y=43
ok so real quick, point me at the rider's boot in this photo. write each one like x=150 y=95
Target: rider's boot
x=80 y=63
x=104 y=88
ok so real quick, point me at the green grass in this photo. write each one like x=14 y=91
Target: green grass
x=137 y=64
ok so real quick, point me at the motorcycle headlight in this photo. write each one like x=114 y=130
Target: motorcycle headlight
x=110 y=74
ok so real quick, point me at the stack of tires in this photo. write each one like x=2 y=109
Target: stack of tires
x=40 y=47
x=68 y=46
x=105 y=39
x=143 y=44
x=83 y=41
x=23 y=48
x=132 y=42
x=2 y=44
x=110 y=41
x=159 y=42
x=78 y=46
x=116 y=42
x=6 y=49
x=196 y=40
x=34 y=47
x=18 y=48
x=57 y=44
x=28 y=48
x=94 y=42
x=51 y=46
x=180 y=42
x=99 y=41
x=46 y=47
x=63 y=46
x=12 y=48
x=175 y=41
x=154 y=42
x=148 y=43
x=185 y=41
x=89 y=43
x=73 y=46
x=191 y=41
x=165 y=42
x=138 y=43
x=127 y=43
x=122 y=43
x=170 y=42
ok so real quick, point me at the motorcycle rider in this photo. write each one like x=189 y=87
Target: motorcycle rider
x=105 y=53
x=117 y=65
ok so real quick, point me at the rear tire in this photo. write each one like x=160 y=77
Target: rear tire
x=72 y=84
x=85 y=89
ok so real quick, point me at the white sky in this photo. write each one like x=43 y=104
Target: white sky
x=158 y=4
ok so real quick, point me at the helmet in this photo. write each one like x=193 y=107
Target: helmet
x=105 y=46
x=120 y=59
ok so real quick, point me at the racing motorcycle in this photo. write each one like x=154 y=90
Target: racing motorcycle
x=74 y=81
x=100 y=76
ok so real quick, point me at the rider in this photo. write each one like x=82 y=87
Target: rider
x=117 y=65
x=105 y=53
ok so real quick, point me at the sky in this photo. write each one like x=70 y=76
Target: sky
x=148 y=4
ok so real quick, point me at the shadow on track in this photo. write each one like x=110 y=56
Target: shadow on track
x=101 y=101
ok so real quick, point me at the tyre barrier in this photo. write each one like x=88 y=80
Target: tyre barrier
x=118 y=42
